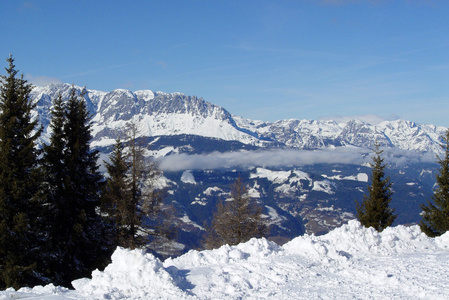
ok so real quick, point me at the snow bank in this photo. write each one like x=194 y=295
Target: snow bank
x=349 y=262
x=39 y=292
x=254 y=249
x=132 y=274
x=230 y=272
x=353 y=239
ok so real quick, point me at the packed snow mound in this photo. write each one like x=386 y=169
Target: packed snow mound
x=254 y=249
x=350 y=262
x=40 y=292
x=132 y=274
x=356 y=240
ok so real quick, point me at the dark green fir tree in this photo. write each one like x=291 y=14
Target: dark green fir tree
x=116 y=194
x=78 y=232
x=53 y=194
x=435 y=215
x=19 y=245
x=375 y=211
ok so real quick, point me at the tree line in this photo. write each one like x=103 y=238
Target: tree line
x=60 y=218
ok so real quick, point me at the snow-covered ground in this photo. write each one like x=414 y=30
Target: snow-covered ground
x=351 y=262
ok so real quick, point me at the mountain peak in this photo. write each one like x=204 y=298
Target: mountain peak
x=146 y=95
x=159 y=113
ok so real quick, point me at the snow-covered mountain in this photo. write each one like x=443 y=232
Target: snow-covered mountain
x=162 y=114
x=311 y=134
x=155 y=113
x=202 y=149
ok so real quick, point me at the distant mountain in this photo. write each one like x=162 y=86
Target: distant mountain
x=306 y=195
x=162 y=114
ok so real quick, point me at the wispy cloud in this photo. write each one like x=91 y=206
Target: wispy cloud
x=162 y=64
x=27 y=6
x=440 y=67
x=41 y=80
x=265 y=158
x=286 y=158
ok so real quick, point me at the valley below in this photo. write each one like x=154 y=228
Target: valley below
x=306 y=174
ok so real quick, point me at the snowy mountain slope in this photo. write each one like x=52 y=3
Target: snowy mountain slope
x=296 y=200
x=155 y=114
x=350 y=262
x=161 y=114
x=301 y=191
x=311 y=134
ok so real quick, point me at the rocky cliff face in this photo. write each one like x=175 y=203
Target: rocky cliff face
x=159 y=114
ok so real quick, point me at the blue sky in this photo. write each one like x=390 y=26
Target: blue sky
x=265 y=60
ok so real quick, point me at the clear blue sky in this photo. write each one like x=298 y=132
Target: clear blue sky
x=265 y=60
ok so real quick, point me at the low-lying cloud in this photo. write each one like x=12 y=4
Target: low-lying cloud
x=286 y=158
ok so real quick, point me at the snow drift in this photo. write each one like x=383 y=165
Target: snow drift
x=349 y=262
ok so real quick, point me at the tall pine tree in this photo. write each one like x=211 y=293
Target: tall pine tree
x=53 y=192
x=116 y=194
x=435 y=215
x=73 y=193
x=375 y=211
x=18 y=183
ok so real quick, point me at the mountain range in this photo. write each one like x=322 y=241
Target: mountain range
x=306 y=173
x=162 y=114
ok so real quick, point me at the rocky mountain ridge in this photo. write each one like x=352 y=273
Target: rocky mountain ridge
x=192 y=134
x=161 y=114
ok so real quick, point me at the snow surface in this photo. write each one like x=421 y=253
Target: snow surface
x=323 y=186
x=210 y=190
x=274 y=176
x=350 y=262
x=187 y=177
x=363 y=177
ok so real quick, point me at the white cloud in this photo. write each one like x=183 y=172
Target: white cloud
x=266 y=158
x=285 y=158
x=400 y=157
x=41 y=80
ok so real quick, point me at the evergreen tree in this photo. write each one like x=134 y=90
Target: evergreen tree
x=375 y=211
x=116 y=193
x=19 y=245
x=237 y=221
x=51 y=193
x=131 y=199
x=73 y=193
x=435 y=215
